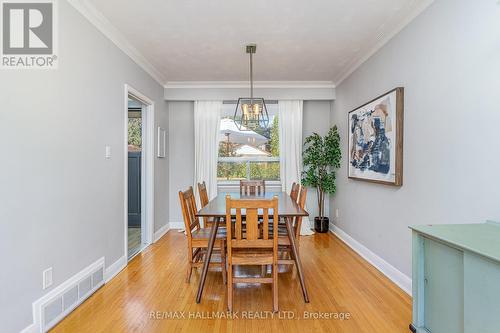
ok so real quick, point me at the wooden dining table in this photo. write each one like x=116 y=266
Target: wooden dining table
x=288 y=209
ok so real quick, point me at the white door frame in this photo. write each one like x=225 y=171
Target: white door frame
x=148 y=159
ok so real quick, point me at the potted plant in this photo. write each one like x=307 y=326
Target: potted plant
x=321 y=157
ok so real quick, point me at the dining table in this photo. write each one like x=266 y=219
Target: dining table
x=288 y=209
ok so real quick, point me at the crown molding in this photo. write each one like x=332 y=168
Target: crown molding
x=232 y=90
x=382 y=38
x=246 y=84
x=97 y=19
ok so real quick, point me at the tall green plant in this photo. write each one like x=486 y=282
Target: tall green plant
x=321 y=157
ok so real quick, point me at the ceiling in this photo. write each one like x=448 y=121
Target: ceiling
x=314 y=40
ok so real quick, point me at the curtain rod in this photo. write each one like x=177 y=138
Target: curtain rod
x=235 y=101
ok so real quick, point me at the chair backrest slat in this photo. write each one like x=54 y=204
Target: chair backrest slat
x=238 y=226
x=265 y=223
x=252 y=224
x=252 y=187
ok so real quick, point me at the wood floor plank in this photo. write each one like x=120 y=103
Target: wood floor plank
x=339 y=281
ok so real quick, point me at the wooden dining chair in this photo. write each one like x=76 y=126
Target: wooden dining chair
x=252 y=187
x=294 y=192
x=283 y=239
x=251 y=246
x=197 y=237
x=203 y=193
x=297 y=223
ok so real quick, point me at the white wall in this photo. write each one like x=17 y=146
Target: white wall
x=181 y=150
x=62 y=201
x=448 y=61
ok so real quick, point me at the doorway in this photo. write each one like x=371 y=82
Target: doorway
x=139 y=172
x=135 y=178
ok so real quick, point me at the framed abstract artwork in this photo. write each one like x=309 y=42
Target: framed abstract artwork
x=376 y=140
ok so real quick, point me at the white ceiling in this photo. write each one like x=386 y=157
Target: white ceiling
x=297 y=40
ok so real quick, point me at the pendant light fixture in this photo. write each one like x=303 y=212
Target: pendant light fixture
x=251 y=112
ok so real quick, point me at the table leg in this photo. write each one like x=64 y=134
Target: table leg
x=291 y=236
x=211 y=241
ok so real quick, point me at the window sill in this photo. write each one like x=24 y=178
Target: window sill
x=236 y=183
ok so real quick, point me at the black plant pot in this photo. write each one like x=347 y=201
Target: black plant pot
x=321 y=225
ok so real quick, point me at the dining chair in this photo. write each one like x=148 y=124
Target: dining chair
x=203 y=193
x=294 y=192
x=251 y=246
x=297 y=223
x=197 y=237
x=283 y=239
x=252 y=187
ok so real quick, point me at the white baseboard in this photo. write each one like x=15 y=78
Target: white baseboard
x=109 y=273
x=403 y=281
x=38 y=323
x=176 y=225
x=30 y=329
x=161 y=232
x=112 y=270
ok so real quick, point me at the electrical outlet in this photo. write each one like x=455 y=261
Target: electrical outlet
x=47 y=278
x=337 y=213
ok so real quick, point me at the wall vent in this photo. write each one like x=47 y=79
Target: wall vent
x=70 y=297
x=58 y=303
x=84 y=287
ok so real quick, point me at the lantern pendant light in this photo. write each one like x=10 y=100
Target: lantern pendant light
x=251 y=112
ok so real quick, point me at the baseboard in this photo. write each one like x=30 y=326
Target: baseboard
x=91 y=277
x=400 y=279
x=112 y=270
x=30 y=329
x=176 y=225
x=161 y=232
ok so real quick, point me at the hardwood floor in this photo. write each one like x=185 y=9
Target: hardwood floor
x=151 y=295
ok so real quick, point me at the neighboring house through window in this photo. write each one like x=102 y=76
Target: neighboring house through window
x=248 y=154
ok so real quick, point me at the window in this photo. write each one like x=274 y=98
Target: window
x=248 y=154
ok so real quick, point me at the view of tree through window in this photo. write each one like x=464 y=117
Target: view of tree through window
x=248 y=154
x=134 y=129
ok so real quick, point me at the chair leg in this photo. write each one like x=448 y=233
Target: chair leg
x=191 y=259
x=230 y=288
x=275 y=288
x=188 y=273
x=223 y=262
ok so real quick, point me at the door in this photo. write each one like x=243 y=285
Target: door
x=134 y=189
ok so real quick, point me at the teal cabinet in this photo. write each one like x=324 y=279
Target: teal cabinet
x=456 y=278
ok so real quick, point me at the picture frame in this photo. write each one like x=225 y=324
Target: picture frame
x=375 y=139
x=162 y=141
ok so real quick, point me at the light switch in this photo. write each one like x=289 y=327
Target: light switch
x=47 y=278
x=108 y=152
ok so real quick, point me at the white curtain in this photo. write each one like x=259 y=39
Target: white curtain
x=290 y=137
x=206 y=145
